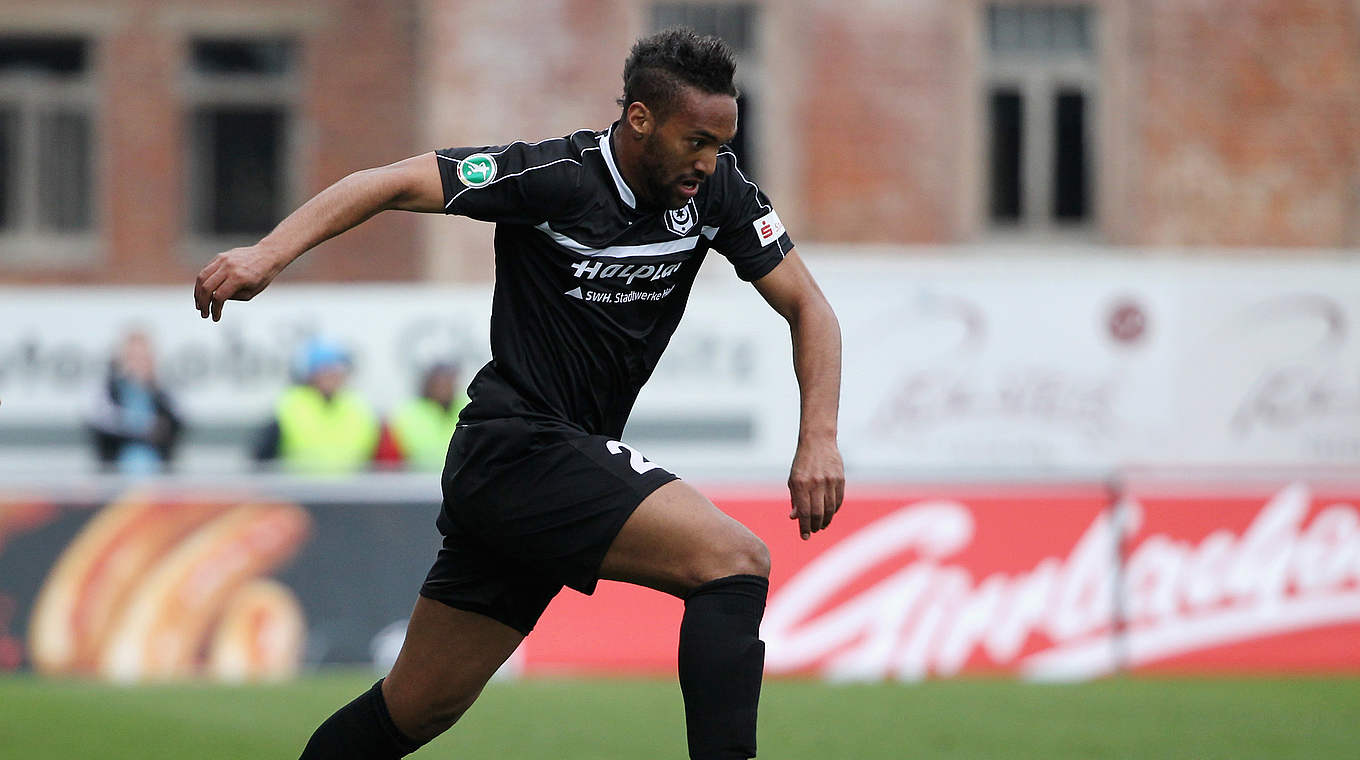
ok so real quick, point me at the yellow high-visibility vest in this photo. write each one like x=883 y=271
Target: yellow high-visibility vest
x=422 y=429
x=317 y=435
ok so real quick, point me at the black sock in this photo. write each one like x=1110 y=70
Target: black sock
x=721 y=662
x=361 y=729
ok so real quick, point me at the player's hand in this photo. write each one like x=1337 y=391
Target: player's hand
x=236 y=275
x=816 y=485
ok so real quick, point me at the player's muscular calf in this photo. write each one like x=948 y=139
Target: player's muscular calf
x=446 y=659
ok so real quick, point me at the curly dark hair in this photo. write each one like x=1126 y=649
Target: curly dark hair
x=661 y=64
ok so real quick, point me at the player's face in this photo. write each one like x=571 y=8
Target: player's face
x=682 y=151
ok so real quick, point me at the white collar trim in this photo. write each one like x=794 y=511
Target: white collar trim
x=606 y=150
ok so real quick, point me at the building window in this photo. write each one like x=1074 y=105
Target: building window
x=241 y=101
x=46 y=147
x=1042 y=75
x=735 y=23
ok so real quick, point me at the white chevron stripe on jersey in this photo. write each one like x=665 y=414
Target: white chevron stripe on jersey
x=620 y=251
x=606 y=150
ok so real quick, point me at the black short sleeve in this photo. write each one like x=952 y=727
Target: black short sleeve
x=519 y=183
x=750 y=233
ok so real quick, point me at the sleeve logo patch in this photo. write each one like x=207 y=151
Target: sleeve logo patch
x=768 y=228
x=477 y=170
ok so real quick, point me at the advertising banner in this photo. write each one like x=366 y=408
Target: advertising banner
x=1053 y=582
x=907 y=583
x=725 y=387
x=1023 y=364
x=1049 y=583
x=1006 y=362
x=231 y=370
x=1268 y=372
x=1037 y=363
x=1240 y=577
x=152 y=584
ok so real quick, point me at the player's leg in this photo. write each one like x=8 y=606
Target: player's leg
x=448 y=656
x=581 y=508
x=678 y=542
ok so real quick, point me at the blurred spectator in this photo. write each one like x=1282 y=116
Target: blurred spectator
x=418 y=434
x=320 y=426
x=133 y=421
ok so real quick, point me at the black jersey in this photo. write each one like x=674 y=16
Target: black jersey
x=589 y=288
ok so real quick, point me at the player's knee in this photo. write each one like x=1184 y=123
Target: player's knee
x=744 y=554
x=755 y=558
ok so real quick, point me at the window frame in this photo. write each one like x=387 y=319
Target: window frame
x=1039 y=78
x=25 y=245
x=200 y=90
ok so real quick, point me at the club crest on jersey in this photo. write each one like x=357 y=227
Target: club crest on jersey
x=681 y=220
x=477 y=170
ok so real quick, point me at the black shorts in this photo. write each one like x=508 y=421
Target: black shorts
x=529 y=508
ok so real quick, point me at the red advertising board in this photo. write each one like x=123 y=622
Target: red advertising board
x=1047 y=582
x=1052 y=582
x=907 y=582
x=1241 y=578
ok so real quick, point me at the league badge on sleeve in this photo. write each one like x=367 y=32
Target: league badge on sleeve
x=681 y=220
x=477 y=170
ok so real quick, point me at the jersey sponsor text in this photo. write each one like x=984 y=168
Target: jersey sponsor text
x=604 y=296
x=591 y=270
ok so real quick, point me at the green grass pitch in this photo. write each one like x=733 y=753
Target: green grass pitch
x=636 y=719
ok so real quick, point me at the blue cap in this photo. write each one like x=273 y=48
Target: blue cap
x=318 y=354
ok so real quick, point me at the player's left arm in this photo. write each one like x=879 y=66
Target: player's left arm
x=817 y=478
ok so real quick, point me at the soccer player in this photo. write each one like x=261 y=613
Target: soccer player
x=599 y=236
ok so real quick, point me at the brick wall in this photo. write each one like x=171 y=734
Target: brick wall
x=363 y=104
x=1248 y=122
x=1221 y=122
x=357 y=109
x=880 y=117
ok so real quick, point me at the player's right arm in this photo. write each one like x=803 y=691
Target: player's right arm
x=239 y=274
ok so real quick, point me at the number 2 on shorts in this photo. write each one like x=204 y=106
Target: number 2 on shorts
x=636 y=460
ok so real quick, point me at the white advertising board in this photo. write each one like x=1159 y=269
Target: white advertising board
x=1065 y=363
x=1011 y=364
x=725 y=388
x=56 y=343
x=960 y=364
x=1269 y=366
